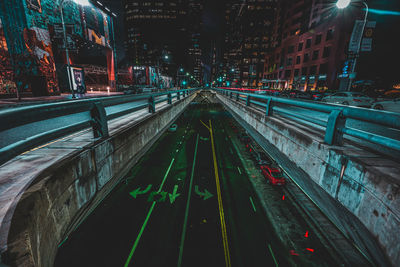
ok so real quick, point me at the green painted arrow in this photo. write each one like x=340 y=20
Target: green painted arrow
x=174 y=194
x=137 y=191
x=157 y=196
x=206 y=195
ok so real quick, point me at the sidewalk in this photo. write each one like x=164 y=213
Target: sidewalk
x=13 y=102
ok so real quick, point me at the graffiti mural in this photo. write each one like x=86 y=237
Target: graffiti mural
x=34 y=5
x=7 y=85
x=38 y=45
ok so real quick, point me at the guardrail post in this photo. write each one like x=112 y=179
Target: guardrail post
x=99 y=120
x=169 y=98
x=336 y=122
x=237 y=96
x=178 y=95
x=269 y=107
x=248 y=100
x=230 y=95
x=152 y=105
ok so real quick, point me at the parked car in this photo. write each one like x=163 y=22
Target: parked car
x=173 y=128
x=349 y=98
x=303 y=95
x=273 y=175
x=317 y=96
x=389 y=105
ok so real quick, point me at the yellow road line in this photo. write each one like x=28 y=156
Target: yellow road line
x=221 y=209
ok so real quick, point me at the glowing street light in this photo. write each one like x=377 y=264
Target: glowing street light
x=166 y=56
x=342 y=3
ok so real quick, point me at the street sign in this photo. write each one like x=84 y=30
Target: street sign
x=366 y=43
x=356 y=36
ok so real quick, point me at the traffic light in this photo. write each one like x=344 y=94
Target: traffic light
x=228 y=83
x=184 y=82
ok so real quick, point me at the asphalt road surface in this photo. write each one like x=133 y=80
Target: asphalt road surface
x=188 y=202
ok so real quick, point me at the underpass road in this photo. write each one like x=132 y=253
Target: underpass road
x=166 y=211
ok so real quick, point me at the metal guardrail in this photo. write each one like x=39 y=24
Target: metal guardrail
x=336 y=126
x=98 y=119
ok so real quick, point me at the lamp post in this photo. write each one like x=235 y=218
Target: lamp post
x=180 y=70
x=341 y=4
x=83 y=3
x=114 y=51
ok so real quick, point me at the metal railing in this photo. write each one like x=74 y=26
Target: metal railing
x=335 y=126
x=96 y=118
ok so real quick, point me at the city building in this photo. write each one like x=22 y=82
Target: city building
x=309 y=46
x=35 y=42
x=160 y=33
x=247 y=39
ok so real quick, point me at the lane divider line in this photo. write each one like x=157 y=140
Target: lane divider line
x=252 y=203
x=239 y=170
x=147 y=217
x=273 y=256
x=221 y=209
x=181 y=246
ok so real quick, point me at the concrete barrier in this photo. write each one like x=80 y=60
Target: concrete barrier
x=47 y=192
x=355 y=188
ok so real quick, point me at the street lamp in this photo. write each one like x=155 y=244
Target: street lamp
x=82 y=3
x=341 y=4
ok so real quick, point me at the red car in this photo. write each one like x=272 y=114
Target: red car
x=273 y=175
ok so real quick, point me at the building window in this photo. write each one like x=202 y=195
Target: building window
x=318 y=39
x=308 y=43
x=304 y=71
x=291 y=49
x=327 y=51
x=315 y=55
x=296 y=72
x=288 y=73
x=306 y=58
x=329 y=34
x=289 y=61
x=298 y=59
x=300 y=47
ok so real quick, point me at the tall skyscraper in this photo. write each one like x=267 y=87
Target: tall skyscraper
x=248 y=32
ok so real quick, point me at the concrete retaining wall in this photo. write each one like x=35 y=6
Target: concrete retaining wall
x=364 y=203
x=59 y=196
